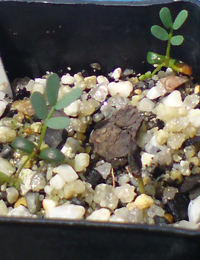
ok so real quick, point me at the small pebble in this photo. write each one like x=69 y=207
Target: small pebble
x=12 y=194
x=3 y=208
x=67 y=79
x=20 y=211
x=143 y=201
x=49 y=204
x=146 y=105
x=194 y=210
x=6 y=167
x=126 y=193
x=66 y=212
x=7 y=134
x=81 y=162
x=99 y=92
x=33 y=202
x=38 y=182
x=122 y=88
x=57 y=182
x=104 y=169
x=116 y=74
x=66 y=172
x=100 y=215
x=173 y=99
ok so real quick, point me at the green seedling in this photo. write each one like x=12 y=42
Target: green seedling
x=162 y=34
x=39 y=104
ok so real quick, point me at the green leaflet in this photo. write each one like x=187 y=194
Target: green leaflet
x=180 y=19
x=159 y=33
x=166 y=18
x=58 y=122
x=52 y=87
x=69 y=98
x=39 y=105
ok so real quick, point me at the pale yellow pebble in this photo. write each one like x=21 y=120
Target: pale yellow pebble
x=19 y=117
x=20 y=201
x=194 y=160
x=138 y=91
x=135 y=100
x=49 y=204
x=24 y=106
x=189 y=131
x=162 y=136
x=29 y=164
x=143 y=201
x=36 y=127
x=197 y=89
x=90 y=81
x=176 y=175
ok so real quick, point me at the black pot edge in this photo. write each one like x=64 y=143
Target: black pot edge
x=97 y=224
x=100 y=2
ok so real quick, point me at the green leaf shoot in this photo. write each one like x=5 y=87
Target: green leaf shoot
x=166 y=18
x=39 y=105
x=177 y=40
x=159 y=33
x=4 y=178
x=69 y=98
x=180 y=19
x=58 y=122
x=52 y=87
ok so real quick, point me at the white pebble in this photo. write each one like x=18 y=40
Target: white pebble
x=194 y=210
x=123 y=88
x=104 y=169
x=12 y=194
x=3 y=208
x=72 y=109
x=7 y=134
x=126 y=193
x=3 y=104
x=49 y=204
x=102 y=80
x=99 y=92
x=67 y=79
x=191 y=101
x=173 y=99
x=146 y=105
x=66 y=212
x=156 y=91
x=100 y=215
x=194 y=117
x=147 y=159
x=57 y=182
x=38 y=87
x=66 y=172
x=81 y=162
x=116 y=74
x=186 y=224
x=26 y=176
x=6 y=167
x=105 y=197
x=20 y=211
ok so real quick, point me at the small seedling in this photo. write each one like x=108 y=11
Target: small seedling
x=160 y=33
x=39 y=104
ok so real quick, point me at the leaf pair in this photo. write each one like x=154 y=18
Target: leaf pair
x=166 y=18
x=51 y=91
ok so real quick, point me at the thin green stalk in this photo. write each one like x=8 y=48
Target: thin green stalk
x=44 y=128
x=33 y=154
x=157 y=68
x=141 y=185
x=169 y=43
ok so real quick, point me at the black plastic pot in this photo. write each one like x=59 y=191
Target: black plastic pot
x=40 y=37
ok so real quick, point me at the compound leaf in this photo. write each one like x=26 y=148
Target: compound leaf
x=52 y=87
x=69 y=98
x=39 y=105
x=180 y=19
x=166 y=17
x=159 y=33
x=177 y=40
x=58 y=122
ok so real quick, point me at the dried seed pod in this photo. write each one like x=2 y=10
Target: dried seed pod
x=180 y=66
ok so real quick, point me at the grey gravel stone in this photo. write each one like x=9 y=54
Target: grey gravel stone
x=33 y=202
